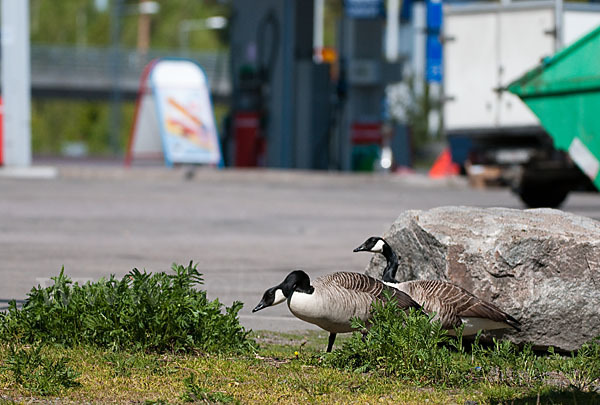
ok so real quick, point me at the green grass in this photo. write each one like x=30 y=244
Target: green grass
x=195 y=391
x=275 y=374
x=272 y=376
x=38 y=372
x=73 y=344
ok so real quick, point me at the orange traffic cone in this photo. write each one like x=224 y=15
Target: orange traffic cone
x=444 y=166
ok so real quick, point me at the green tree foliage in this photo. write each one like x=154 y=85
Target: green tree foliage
x=58 y=122
x=71 y=22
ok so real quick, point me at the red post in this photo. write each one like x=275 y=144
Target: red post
x=138 y=103
x=249 y=147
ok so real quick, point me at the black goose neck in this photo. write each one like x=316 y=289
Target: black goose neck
x=389 y=274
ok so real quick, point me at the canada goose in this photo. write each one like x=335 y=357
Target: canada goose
x=331 y=301
x=452 y=304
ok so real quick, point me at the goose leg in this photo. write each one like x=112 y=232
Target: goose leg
x=331 y=340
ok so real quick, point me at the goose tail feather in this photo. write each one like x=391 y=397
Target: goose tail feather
x=513 y=323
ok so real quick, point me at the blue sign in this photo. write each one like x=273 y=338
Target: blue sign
x=434 y=59
x=434 y=15
x=364 y=8
x=433 y=50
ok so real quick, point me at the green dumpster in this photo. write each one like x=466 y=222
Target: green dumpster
x=564 y=93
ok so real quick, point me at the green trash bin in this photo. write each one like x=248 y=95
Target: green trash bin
x=564 y=93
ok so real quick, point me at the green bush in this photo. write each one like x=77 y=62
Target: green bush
x=409 y=346
x=415 y=348
x=36 y=372
x=156 y=312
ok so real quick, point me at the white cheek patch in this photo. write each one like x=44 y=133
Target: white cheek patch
x=378 y=248
x=279 y=297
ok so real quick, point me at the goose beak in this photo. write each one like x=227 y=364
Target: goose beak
x=260 y=306
x=361 y=248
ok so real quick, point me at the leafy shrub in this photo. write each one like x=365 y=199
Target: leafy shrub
x=414 y=347
x=38 y=373
x=147 y=311
x=405 y=345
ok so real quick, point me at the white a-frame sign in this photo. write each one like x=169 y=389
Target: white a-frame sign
x=174 y=117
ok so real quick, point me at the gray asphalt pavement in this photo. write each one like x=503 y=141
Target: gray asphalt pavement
x=245 y=229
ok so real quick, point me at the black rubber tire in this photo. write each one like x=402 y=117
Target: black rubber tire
x=542 y=195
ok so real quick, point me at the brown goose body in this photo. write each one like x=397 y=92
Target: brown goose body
x=453 y=306
x=339 y=297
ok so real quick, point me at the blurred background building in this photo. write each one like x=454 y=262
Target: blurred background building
x=361 y=85
x=308 y=77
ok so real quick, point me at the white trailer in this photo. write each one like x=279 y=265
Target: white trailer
x=487 y=46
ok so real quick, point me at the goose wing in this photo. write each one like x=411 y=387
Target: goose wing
x=361 y=283
x=452 y=302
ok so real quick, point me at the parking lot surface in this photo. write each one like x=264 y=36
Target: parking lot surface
x=245 y=229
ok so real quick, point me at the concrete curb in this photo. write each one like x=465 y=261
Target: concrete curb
x=31 y=172
x=272 y=176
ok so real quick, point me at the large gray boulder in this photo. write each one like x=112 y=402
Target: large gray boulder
x=542 y=266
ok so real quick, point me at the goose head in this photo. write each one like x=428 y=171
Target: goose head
x=297 y=280
x=374 y=244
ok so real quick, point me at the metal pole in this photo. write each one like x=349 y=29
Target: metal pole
x=143 y=37
x=16 y=83
x=115 y=63
x=287 y=106
x=318 y=21
x=558 y=21
x=419 y=26
x=391 y=30
x=183 y=36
